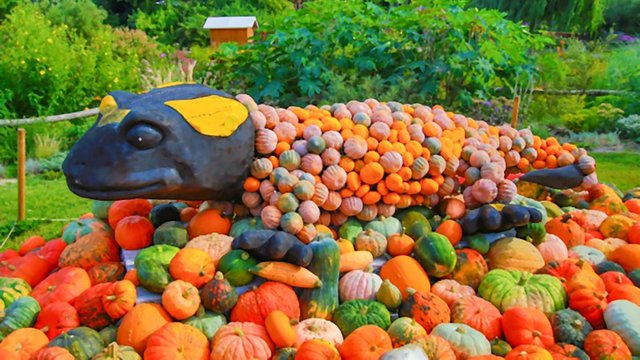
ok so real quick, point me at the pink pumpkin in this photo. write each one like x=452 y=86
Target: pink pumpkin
x=553 y=249
x=315 y=328
x=358 y=284
x=451 y=290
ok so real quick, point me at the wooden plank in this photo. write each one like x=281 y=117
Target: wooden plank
x=516 y=110
x=22 y=178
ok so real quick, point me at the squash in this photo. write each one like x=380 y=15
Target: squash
x=216 y=245
x=616 y=226
x=172 y=233
x=152 y=264
x=90 y=250
x=23 y=343
x=12 y=289
x=514 y=254
x=113 y=351
x=106 y=272
x=367 y=342
x=180 y=299
x=451 y=290
x=465 y=341
x=235 y=266
x=243 y=225
x=256 y=304
x=353 y=314
x=570 y=327
x=286 y=273
x=372 y=241
x=317 y=349
x=218 y=295
x=355 y=260
x=358 y=284
x=513 y=288
x=389 y=295
x=350 y=229
x=527 y=326
x=470 y=268
x=83 y=343
x=606 y=344
x=436 y=254
x=163 y=213
x=387 y=226
x=100 y=209
x=22 y=313
x=241 y=341
x=56 y=318
x=322 y=301
x=500 y=347
x=590 y=303
x=428 y=309
x=193 y=266
x=52 y=353
x=622 y=317
x=552 y=249
x=279 y=328
x=119 y=298
x=274 y=245
x=588 y=254
x=207 y=322
x=409 y=351
x=315 y=328
x=562 y=351
x=90 y=308
x=605 y=199
x=78 y=228
x=528 y=352
x=177 y=340
x=404 y=330
x=628 y=256
x=139 y=323
x=479 y=314
x=405 y=272
x=566 y=229
x=109 y=334
x=436 y=347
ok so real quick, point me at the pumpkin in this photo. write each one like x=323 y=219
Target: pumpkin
x=613 y=279
x=139 y=323
x=404 y=330
x=326 y=263
x=570 y=327
x=451 y=290
x=353 y=314
x=367 y=342
x=372 y=241
x=400 y=244
x=241 y=226
x=528 y=352
x=108 y=334
x=285 y=354
x=89 y=306
x=358 y=284
x=606 y=344
x=436 y=254
x=180 y=299
x=64 y=285
x=409 y=351
x=428 y=309
x=527 y=326
x=152 y=265
x=106 y=272
x=134 y=232
x=465 y=341
x=628 y=256
x=552 y=249
x=218 y=295
x=56 y=318
x=12 y=289
x=562 y=351
x=235 y=266
x=513 y=288
x=89 y=251
x=588 y=254
x=52 y=353
x=216 y=245
x=315 y=328
x=78 y=228
x=566 y=269
x=177 y=340
x=436 y=347
x=113 y=351
x=172 y=233
x=22 y=313
x=500 y=347
x=479 y=314
x=514 y=254
x=470 y=268
x=622 y=316
x=83 y=343
x=241 y=341
x=405 y=272
x=569 y=231
x=625 y=292
x=31 y=267
x=590 y=303
x=387 y=226
x=207 y=222
x=120 y=209
x=51 y=251
x=119 y=298
x=193 y=266
x=256 y=304
x=207 y=322
x=616 y=226
x=22 y=343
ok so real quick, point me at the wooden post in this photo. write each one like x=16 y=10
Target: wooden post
x=22 y=158
x=516 y=109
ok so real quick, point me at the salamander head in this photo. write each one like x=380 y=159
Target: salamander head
x=179 y=142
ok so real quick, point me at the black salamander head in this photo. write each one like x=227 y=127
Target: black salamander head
x=179 y=142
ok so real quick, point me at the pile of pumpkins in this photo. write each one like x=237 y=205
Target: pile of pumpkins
x=552 y=275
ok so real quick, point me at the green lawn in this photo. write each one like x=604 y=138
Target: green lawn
x=51 y=199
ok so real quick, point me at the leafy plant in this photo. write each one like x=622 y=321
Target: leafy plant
x=592 y=140
x=629 y=127
x=32 y=167
x=45 y=146
x=3 y=172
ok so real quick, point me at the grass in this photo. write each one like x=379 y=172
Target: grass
x=51 y=199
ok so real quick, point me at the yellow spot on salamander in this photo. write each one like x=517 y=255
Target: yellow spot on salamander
x=110 y=112
x=174 y=83
x=211 y=115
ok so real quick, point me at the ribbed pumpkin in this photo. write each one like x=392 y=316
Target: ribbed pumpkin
x=117 y=352
x=22 y=343
x=52 y=353
x=139 y=323
x=315 y=328
x=553 y=249
x=570 y=327
x=119 y=298
x=367 y=342
x=175 y=341
x=566 y=229
x=90 y=250
x=428 y=309
x=207 y=222
x=91 y=312
x=528 y=352
x=317 y=349
x=242 y=341
x=613 y=279
x=82 y=342
x=218 y=295
x=405 y=272
x=478 y=314
x=527 y=326
x=590 y=303
x=451 y=290
x=616 y=226
x=216 y=245
x=120 y=209
x=256 y=304
x=358 y=284
x=606 y=344
x=353 y=314
x=470 y=268
x=562 y=351
x=436 y=347
x=514 y=254
x=134 y=232
x=372 y=241
x=465 y=341
x=404 y=330
x=180 y=299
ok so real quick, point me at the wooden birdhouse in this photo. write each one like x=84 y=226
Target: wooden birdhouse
x=236 y=29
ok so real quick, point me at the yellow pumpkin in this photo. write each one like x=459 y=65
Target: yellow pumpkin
x=514 y=254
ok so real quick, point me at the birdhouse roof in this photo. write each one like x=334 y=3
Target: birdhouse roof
x=231 y=22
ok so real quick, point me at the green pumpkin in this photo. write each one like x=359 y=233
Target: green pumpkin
x=606 y=266
x=353 y=314
x=207 y=322
x=350 y=229
x=218 y=295
x=117 y=352
x=570 y=327
x=466 y=341
x=404 y=330
x=513 y=288
x=100 y=209
x=108 y=334
x=623 y=317
x=320 y=302
x=436 y=254
x=20 y=314
x=389 y=295
x=385 y=226
x=172 y=233
x=634 y=276
x=81 y=227
x=427 y=212
x=533 y=232
x=415 y=225
x=235 y=266
x=285 y=354
x=152 y=265
x=500 y=347
x=241 y=226
x=82 y=342
x=12 y=289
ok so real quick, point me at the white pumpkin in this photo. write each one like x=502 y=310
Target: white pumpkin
x=407 y=352
x=465 y=340
x=358 y=284
x=623 y=317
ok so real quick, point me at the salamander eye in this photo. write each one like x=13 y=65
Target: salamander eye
x=144 y=136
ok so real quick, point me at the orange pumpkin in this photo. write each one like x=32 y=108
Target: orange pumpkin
x=606 y=344
x=192 y=265
x=400 y=244
x=49 y=353
x=633 y=205
x=367 y=342
x=207 y=222
x=528 y=352
x=436 y=347
x=177 y=341
x=119 y=298
x=241 y=340
x=616 y=226
x=527 y=326
x=626 y=292
x=122 y=208
x=139 y=323
x=633 y=237
x=566 y=229
x=31 y=243
x=317 y=349
x=628 y=256
x=180 y=299
x=132 y=275
x=22 y=343
x=405 y=272
x=452 y=230
x=426 y=308
x=134 y=232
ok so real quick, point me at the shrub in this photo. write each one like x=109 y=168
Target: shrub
x=629 y=127
x=593 y=140
x=3 y=172
x=54 y=163
x=32 y=167
x=45 y=146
